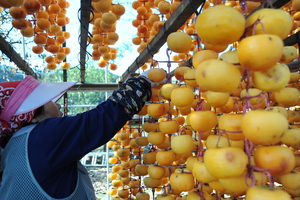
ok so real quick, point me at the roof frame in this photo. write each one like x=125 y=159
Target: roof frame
x=177 y=19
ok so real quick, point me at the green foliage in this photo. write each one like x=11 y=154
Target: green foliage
x=79 y=102
x=92 y=75
x=8 y=73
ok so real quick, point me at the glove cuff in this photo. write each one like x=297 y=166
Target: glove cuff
x=133 y=95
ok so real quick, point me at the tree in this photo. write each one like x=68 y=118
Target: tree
x=82 y=101
x=8 y=73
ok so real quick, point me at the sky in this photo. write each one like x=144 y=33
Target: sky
x=74 y=29
x=124 y=29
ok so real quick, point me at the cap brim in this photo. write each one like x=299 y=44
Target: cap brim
x=42 y=94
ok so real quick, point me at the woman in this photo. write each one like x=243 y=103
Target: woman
x=42 y=149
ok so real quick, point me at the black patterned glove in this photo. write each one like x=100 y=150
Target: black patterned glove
x=132 y=95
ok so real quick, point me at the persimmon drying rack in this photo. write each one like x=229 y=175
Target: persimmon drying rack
x=177 y=19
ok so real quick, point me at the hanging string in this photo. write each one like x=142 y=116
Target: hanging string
x=169 y=52
x=85 y=27
x=89 y=35
x=148 y=50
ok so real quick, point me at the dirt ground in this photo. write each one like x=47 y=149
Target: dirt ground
x=98 y=177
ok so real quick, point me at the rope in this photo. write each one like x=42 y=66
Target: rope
x=149 y=51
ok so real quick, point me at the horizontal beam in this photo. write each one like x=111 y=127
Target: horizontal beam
x=91 y=87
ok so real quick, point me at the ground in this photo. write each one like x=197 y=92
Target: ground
x=98 y=177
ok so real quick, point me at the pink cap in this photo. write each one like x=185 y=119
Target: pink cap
x=31 y=94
